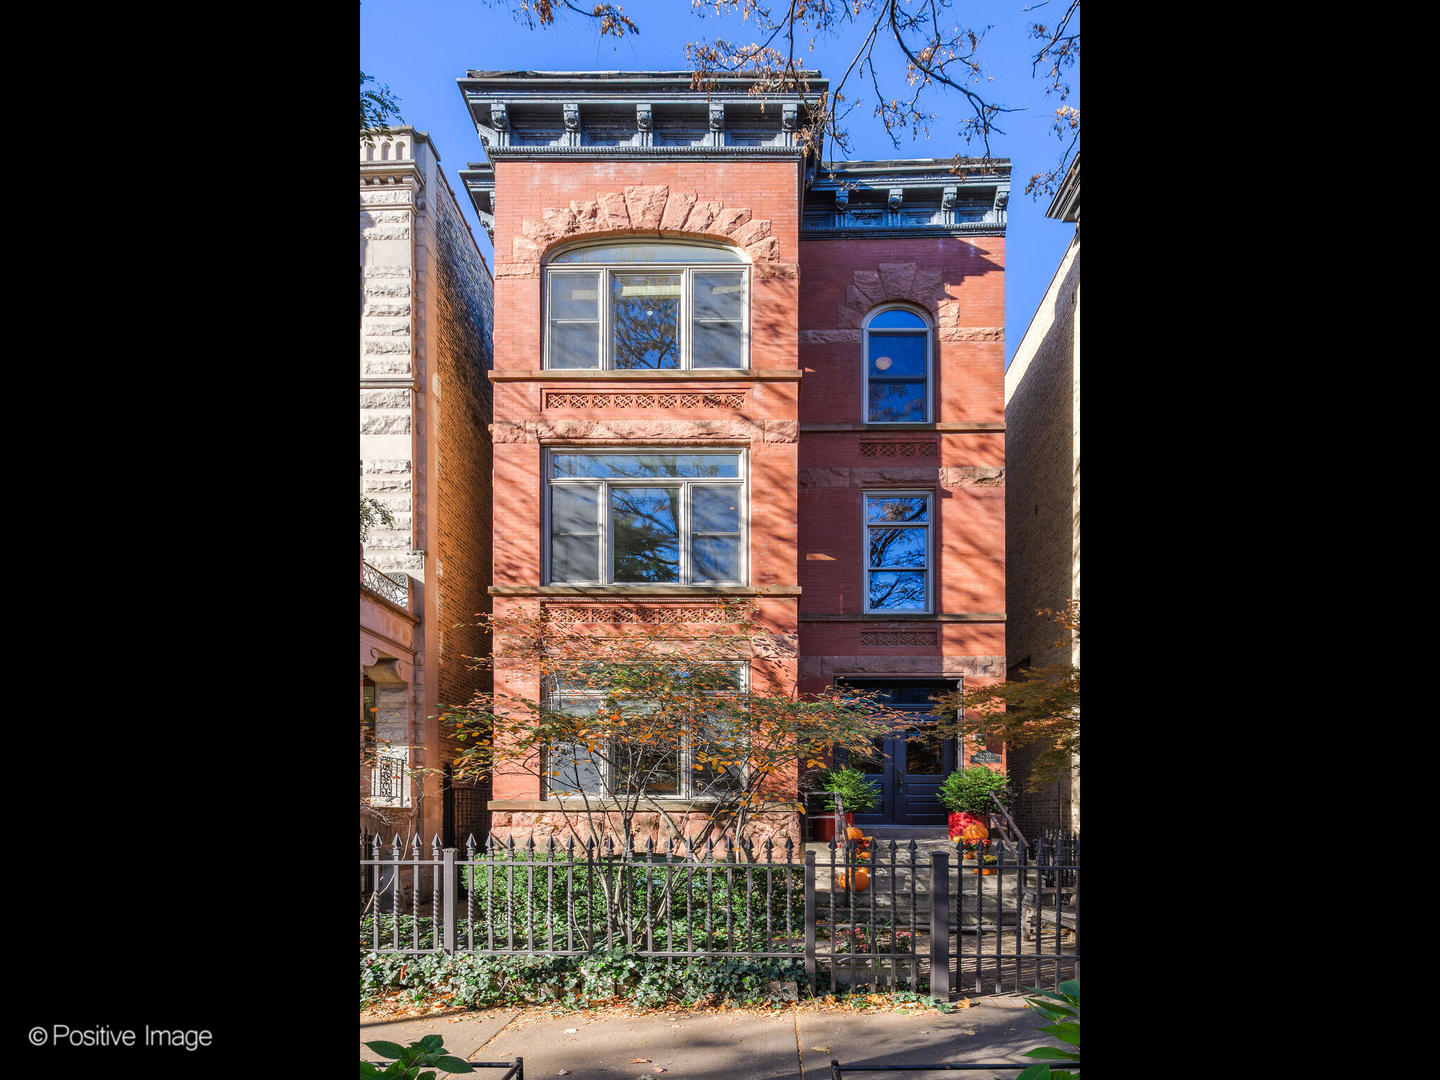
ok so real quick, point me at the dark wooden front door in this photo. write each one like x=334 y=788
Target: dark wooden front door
x=907 y=771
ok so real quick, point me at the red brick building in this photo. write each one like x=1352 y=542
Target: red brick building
x=804 y=363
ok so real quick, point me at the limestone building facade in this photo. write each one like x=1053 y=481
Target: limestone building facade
x=835 y=356
x=426 y=317
x=1042 y=420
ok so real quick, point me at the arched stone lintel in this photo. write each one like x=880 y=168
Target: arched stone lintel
x=646 y=209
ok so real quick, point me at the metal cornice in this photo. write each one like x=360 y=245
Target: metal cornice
x=964 y=228
x=501 y=153
x=1066 y=204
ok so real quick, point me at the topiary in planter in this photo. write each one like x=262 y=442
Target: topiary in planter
x=850 y=784
x=969 y=790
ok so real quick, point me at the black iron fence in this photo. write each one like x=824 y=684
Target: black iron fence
x=1001 y=917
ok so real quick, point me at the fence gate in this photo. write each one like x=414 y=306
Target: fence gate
x=464 y=812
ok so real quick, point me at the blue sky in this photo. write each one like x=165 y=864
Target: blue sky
x=419 y=48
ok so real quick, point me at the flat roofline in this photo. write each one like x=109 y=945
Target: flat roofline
x=613 y=76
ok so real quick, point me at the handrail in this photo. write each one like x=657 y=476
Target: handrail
x=1009 y=819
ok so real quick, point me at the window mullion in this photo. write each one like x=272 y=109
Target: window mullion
x=686 y=532
x=606 y=570
x=606 y=360
x=687 y=319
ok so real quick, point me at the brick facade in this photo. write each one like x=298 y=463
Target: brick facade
x=814 y=276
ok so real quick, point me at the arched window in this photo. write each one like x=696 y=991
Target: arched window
x=897 y=367
x=647 y=305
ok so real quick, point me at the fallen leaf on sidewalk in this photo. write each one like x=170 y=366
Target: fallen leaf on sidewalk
x=821 y=1049
x=638 y=1061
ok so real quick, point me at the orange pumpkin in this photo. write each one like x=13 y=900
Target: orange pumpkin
x=862 y=880
x=975 y=831
x=854 y=834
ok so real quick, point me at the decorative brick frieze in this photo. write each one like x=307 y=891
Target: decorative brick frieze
x=569 y=615
x=676 y=431
x=891 y=639
x=568 y=400
x=899 y=449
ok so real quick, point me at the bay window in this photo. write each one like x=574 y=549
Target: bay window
x=641 y=517
x=646 y=306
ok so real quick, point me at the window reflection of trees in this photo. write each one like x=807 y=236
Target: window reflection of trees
x=645 y=321
x=647 y=522
x=898 y=557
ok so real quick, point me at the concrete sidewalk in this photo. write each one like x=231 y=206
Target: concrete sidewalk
x=730 y=1045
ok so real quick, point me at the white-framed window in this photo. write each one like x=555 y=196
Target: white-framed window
x=645 y=516
x=898 y=551
x=647 y=305
x=687 y=764
x=897 y=355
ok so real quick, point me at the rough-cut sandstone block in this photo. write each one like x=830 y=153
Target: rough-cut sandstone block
x=387 y=310
x=387 y=327
x=384 y=399
x=766 y=250
x=702 y=215
x=587 y=215
x=677 y=209
x=867 y=284
x=538 y=231
x=560 y=219
x=896 y=278
x=646 y=204
x=947 y=313
x=752 y=232
x=775 y=646
x=928 y=286
x=973 y=333
x=524 y=250
x=384 y=346
x=387 y=365
x=828 y=337
x=764 y=269
x=613 y=213
x=972 y=476
x=385 y=424
x=849 y=315
x=727 y=221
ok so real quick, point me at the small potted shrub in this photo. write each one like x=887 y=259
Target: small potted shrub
x=966 y=794
x=856 y=793
x=988 y=865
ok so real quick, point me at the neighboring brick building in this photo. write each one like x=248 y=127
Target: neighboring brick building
x=1042 y=422
x=425 y=347
x=860 y=509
